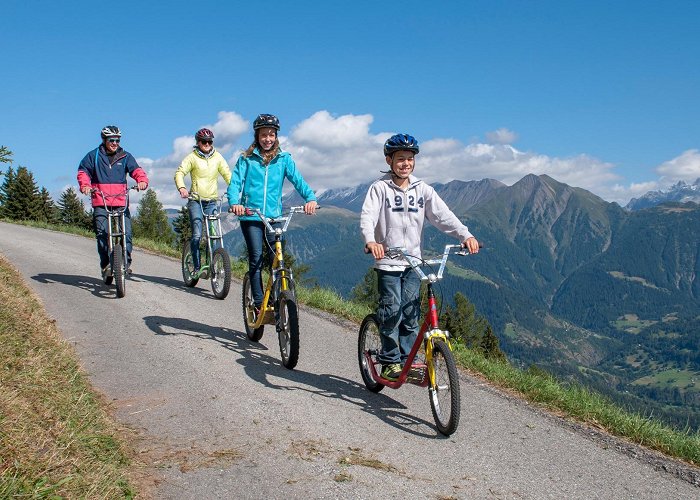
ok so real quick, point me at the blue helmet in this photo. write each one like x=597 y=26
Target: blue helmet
x=400 y=142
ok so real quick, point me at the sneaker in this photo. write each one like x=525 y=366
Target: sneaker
x=391 y=371
x=105 y=271
x=129 y=271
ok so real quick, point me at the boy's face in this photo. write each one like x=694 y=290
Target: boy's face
x=402 y=163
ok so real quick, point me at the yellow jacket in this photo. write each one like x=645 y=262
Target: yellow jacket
x=204 y=173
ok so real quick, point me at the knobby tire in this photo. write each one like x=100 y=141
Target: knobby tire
x=188 y=266
x=287 y=318
x=254 y=334
x=220 y=272
x=444 y=397
x=368 y=347
x=119 y=270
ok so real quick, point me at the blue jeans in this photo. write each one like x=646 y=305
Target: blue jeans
x=101 y=226
x=398 y=313
x=253 y=232
x=196 y=220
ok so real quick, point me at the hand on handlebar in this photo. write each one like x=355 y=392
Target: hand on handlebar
x=471 y=244
x=184 y=193
x=376 y=249
x=310 y=208
x=86 y=190
x=237 y=209
x=141 y=186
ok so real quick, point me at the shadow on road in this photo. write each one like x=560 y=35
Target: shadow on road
x=261 y=366
x=93 y=285
x=178 y=285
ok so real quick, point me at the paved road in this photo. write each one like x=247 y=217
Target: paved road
x=216 y=416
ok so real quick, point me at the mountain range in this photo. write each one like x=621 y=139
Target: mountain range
x=681 y=192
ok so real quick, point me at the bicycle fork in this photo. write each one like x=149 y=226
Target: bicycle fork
x=432 y=335
x=213 y=234
x=116 y=234
x=280 y=280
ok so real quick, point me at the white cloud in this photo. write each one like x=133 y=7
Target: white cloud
x=228 y=130
x=685 y=167
x=322 y=131
x=501 y=136
x=449 y=160
x=336 y=152
x=341 y=151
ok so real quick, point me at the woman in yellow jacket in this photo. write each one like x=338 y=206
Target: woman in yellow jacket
x=204 y=165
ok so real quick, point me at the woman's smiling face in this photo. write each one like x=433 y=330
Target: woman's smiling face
x=267 y=137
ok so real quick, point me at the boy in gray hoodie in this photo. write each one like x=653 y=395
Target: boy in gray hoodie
x=392 y=216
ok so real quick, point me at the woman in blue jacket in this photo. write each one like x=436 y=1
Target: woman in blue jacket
x=256 y=182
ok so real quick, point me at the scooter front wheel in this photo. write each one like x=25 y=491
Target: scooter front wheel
x=220 y=270
x=119 y=270
x=188 y=274
x=369 y=345
x=444 y=388
x=287 y=315
x=249 y=317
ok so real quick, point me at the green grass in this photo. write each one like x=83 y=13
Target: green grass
x=671 y=378
x=585 y=406
x=468 y=274
x=56 y=438
x=537 y=386
x=630 y=323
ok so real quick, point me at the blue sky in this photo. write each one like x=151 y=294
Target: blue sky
x=600 y=95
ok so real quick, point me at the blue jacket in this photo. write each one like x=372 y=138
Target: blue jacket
x=254 y=185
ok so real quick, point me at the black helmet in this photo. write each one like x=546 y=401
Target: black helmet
x=400 y=142
x=266 y=121
x=110 y=131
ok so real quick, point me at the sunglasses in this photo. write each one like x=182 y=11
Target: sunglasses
x=206 y=142
x=113 y=141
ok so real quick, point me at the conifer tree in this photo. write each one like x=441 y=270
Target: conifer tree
x=71 y=210
x=181 y=226
x=366 y=292
x=152 y=221
x=463 y=322
x=299 y=271
x=48 y=210
x=21 y=200
x=5 y=155
x=6 y=188
x=490 y=345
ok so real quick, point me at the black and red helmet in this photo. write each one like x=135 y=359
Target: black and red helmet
x=266 y=121
x=204 y=134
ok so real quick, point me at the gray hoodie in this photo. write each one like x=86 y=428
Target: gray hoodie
x=395 y=217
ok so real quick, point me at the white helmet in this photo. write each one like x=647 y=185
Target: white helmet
x=110 y=131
